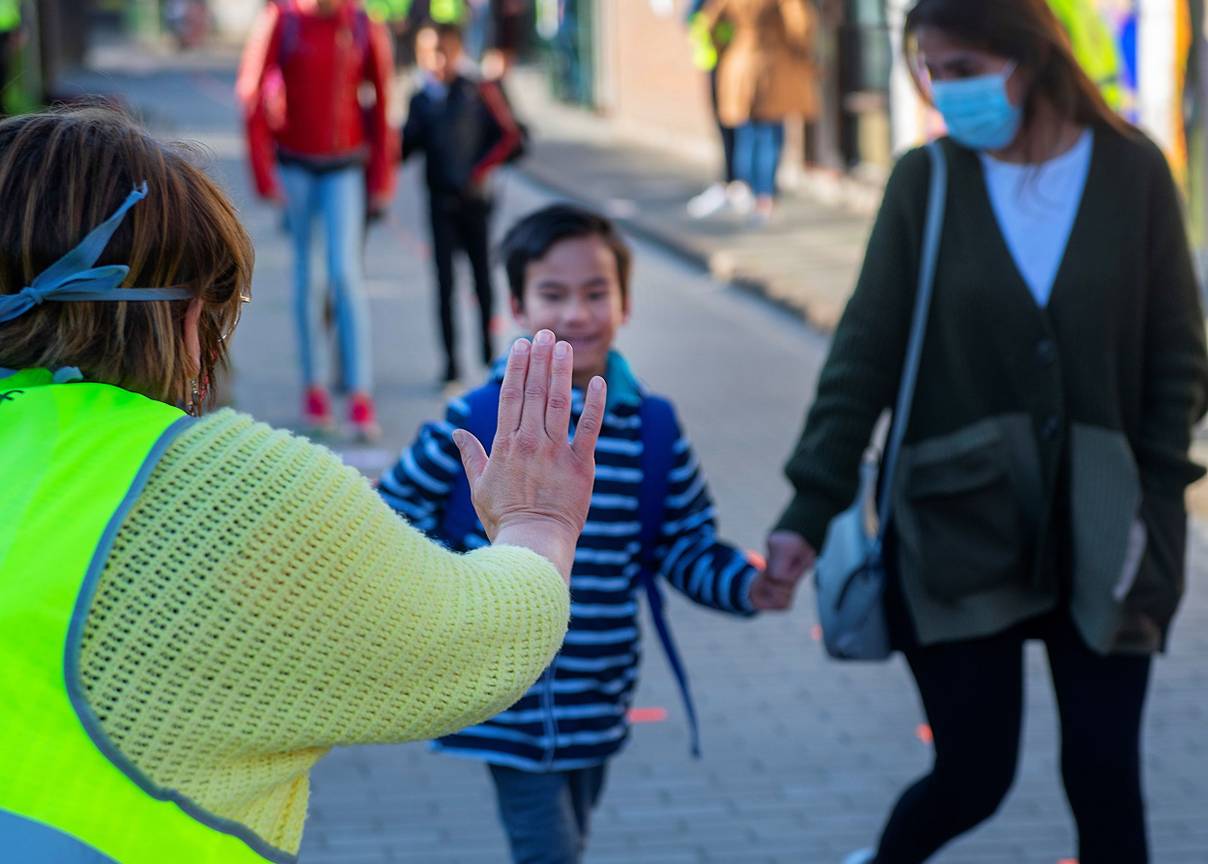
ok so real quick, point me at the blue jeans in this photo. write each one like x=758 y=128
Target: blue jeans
x=757 y=148
x=338 y=199
x=547 y=816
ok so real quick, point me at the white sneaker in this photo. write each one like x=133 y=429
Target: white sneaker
x=709 y=202
x=742 y=201
x=864 y=856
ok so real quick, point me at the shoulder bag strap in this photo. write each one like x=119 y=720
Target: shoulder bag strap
x=936 y=200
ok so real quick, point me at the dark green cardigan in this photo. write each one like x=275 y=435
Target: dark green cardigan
x=1037 y=435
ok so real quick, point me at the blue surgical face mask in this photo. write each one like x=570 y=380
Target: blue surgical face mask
x=977 y=111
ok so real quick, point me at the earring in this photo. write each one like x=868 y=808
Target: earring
x=193 y=406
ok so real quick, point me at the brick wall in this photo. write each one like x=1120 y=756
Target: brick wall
x=653 y=84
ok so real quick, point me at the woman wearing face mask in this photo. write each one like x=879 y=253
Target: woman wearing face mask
x=1040 y=488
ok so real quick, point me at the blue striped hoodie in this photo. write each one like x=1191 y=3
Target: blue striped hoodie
x=576 y=715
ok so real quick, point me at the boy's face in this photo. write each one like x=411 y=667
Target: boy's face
x=575 y=291
x=438 y=55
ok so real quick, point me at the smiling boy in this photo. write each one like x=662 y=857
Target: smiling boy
x=651 y=518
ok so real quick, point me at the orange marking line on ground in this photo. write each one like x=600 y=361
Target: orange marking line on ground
x=647 y=715
x=1068 y=861
x=923 y=733
x=816 y=633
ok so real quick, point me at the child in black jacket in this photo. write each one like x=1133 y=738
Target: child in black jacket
x=465 y=130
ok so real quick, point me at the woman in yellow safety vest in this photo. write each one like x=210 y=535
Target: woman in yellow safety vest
x=194 y=607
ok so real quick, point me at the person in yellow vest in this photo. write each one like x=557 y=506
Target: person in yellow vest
x=194 y=607
x=1094 y=47
x=707 y=43
x=10 y=32
x=394 y=15
x=387 y=11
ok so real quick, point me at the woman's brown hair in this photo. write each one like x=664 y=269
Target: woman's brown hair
x=1028 y=32
x=63 y=173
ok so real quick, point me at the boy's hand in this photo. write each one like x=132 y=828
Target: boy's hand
x=535 y=488
x=789 y=557
x=768 y=595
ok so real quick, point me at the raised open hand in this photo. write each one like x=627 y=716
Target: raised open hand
x=534 y=489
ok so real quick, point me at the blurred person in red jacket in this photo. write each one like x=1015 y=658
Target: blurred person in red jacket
x=316 y=151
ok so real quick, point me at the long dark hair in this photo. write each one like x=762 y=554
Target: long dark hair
x=1028 y=32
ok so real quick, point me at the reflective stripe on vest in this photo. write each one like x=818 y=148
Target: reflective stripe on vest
x=74 y=458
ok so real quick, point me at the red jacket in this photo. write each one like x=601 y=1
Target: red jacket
x=322 y=61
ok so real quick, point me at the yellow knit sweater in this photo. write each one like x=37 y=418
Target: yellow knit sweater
x=261 y=605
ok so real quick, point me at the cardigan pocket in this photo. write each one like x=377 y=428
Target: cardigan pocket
x=959 y=523
x=1105 y=504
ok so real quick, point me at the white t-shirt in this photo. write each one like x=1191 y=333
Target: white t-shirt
x=1036 y=205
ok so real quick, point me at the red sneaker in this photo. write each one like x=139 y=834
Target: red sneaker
x=316 y=409
x=363 y=416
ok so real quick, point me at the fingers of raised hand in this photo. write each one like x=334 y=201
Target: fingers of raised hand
x=473 y=456
x=557 y=409
x=587 y=432
x=511 y=394
x=536 y=388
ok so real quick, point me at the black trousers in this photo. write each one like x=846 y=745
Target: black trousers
x=462 y=223
x=972 y=692
x=727 y=132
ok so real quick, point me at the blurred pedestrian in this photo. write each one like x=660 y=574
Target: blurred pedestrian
x=1040 y=489
x=652 y=520
x=394 y=16
x=764 y=75
x=465 y=131
x=509 y=35
x=330 y=160
x=10 y=32
x=194 y=610
x=708 y=42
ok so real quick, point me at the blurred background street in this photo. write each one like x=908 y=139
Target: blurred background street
x=802 y=757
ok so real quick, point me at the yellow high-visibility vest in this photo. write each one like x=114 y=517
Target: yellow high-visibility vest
x=1094 y=46
x=10 y=15
x=74 y=458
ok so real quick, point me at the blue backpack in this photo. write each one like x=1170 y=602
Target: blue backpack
x=659 y=434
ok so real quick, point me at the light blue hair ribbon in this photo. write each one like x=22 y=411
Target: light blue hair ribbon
x=74 y=278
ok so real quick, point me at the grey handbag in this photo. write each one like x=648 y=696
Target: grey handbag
x=850 y=573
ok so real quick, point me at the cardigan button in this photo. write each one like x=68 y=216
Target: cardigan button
x=1046 y=352
x=1051 y=428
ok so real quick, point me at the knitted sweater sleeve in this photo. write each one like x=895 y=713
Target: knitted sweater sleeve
x=267 y=601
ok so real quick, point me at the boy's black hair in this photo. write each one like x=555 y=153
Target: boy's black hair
x=534 y=235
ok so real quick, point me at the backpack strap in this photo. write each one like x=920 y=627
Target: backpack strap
x=291 y=25
x=660 y=431
x=291 y=31
x=360 y=29
x=460 y=518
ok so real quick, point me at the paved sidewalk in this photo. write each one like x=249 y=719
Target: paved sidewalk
x=806 y=260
